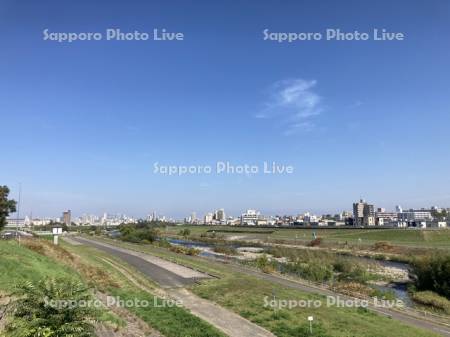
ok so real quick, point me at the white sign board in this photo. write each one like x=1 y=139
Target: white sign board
x=57 y=230
x=310 y=318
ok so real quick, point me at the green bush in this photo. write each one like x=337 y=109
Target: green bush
x=432 y=272
x=184 y=232
x=314 y=271
x=356 y=273
x=163 y=242
x=264 y=264
x=431 y=299
x=35 y=315
x=140 y=235
x=224 y=249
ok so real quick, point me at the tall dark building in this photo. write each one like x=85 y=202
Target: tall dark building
x=67 y=217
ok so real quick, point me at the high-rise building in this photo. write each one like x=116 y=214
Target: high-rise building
x=220 y=215
x=67 y=217
x=208 y=218
x=363 y=213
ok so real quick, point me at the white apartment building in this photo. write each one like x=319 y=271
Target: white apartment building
x=415 y=216
x=250 y=217
x=208 y=219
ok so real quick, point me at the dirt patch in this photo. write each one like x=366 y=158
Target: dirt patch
x=135 y=326
x=93 y=275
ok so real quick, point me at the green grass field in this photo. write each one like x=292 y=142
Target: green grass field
x=170 y=321
x=245 y=295
x=20 y=264
x=429 y=238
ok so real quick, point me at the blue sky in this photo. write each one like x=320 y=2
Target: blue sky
x=83 y=123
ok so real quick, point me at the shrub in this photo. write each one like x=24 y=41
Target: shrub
x=314 y=271
x=34 y=313
x=315 y=243
x=184 y=232
x=342 y=265
x=382 y=246
x=227 y=250
x=264 y=264
x=164 y=243
x=355 y=273
x=432 y=272
x=431 y=299
x=388 y=295
x=184 y=250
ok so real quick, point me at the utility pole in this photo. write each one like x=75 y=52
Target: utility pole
x=18 y=212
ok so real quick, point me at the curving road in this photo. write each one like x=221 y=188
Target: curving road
x=166 y=274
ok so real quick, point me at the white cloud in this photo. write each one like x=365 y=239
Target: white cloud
x=295 y=103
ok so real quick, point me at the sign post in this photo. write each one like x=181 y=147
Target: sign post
x=56 y=231
x=310 y=319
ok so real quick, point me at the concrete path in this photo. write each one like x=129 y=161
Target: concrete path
x=223 y=319
x=165 y=273
x=228 y=322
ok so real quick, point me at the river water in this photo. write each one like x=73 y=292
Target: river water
x=399 y=289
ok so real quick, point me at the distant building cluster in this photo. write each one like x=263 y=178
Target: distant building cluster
x=217 y=217
x=364 y=215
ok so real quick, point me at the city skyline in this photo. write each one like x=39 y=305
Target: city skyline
x=199 y=213
x=86 y=121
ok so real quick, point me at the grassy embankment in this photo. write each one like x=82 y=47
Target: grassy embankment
x=43 y=261
x=246 y=296
x=428 y=238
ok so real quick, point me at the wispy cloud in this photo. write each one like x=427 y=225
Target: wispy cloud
x=294 y=102
x=355 y=104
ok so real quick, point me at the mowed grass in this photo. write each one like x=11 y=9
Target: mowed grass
x=432 y=238
x=171 y=321
x=248 y=297
x=19 y=264
x=413 y=237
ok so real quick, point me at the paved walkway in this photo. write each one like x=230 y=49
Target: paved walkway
x=166 y=274
x=223 y=319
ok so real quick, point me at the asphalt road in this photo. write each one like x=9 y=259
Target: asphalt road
x=165 y=278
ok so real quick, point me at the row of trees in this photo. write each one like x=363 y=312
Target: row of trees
x=143 y=231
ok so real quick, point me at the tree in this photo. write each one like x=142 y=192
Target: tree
x=6 y=206
x=185 y=233
x=440 y=216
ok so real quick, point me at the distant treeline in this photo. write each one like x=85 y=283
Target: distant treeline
x=240 y=231
x=143 y=231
